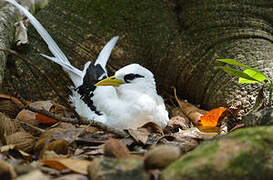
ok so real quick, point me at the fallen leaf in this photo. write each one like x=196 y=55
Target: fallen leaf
x=13 y=99
x=191 y=111
x=140 y=135
x=58 y=146
x=36 y=118
x=10 y=106
x=22 y=140
x=69 y=135
x=75 y=165
x=180 y=122
x=153 y=128
x=44 y=119
x=213 y=118
x=194 y=132
x=12 y=147
x=8 y=126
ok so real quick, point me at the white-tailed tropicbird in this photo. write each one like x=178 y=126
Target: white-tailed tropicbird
x=126 y=100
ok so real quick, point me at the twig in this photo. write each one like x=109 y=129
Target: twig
x=47 y=78
x=30 y=125
x=53 y=116
x=100 y=125
x=73 y=121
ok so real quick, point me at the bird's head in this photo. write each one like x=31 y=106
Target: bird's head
x=133 y=76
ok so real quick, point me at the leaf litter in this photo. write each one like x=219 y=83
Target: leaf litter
x=56 y=149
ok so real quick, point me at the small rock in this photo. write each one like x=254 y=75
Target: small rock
x=116 y=169
x=161 y=156
x=115 y=148
x=6 y=171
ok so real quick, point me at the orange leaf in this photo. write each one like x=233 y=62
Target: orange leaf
x=75 y=165
x=213 y=118
x=44 y=119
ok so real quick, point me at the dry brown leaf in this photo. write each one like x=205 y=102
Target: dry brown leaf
x=69 y=135
x=179 y=121
x=58 y=146
x=194 y=132
x=75 y=165
x=191 y=111
x=115 y=148
x=8 y=126
x=57 y=139
x=153 y=127
x=36 y=118
x=10 y=105
x=140 y=135
x=7 y=148
x=22 y=140
x=13 y=99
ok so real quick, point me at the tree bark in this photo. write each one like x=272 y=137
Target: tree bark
x=177 y=40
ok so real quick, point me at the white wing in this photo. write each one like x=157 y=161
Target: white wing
x=105 y=53
x=59 y=56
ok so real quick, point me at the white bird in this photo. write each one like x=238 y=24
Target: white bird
x=126 y=100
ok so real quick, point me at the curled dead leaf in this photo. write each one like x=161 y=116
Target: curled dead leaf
x=46 y=138
x=194 y=132
x=7 y=126
x=75 y=165
x=176 y=123
x=153 y=128
x=11 y=147
x=140 y=135
x=22 y=140
x=191 y=111
x=58 y=146
x=10 y=106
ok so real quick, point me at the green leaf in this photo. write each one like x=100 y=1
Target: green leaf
x=258 y=76
x=233 y=62
x=246 y=81
x=236 y=72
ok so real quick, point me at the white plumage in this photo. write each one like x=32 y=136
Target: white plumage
x=126 y=100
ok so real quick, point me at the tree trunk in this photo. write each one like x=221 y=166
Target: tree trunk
x=177 y=40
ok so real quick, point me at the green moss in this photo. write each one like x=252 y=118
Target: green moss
x=260 y=137
x=194 y=159
x=243 y=154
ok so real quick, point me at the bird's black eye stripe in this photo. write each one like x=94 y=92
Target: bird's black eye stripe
x=130 y=77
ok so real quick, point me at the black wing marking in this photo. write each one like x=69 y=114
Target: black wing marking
x=94 y=73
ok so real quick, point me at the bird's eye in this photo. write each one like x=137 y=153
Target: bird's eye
x=130 y=77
